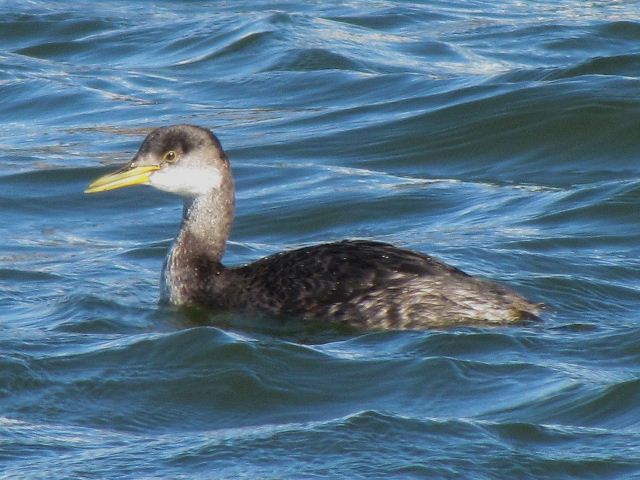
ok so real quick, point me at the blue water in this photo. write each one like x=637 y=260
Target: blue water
x=503 y=137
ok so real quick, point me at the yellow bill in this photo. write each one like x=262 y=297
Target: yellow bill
x=122 y=178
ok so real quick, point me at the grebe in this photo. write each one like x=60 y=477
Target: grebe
x=359 y=283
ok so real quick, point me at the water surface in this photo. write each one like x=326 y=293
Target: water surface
x=500 y=137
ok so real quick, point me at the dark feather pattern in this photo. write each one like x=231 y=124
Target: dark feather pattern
x=367 y=284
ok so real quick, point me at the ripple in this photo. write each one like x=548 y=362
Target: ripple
x=500 y=137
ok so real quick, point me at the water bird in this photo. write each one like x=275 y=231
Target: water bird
x=357 y=283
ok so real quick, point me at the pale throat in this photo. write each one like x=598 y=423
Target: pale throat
x=187 y=181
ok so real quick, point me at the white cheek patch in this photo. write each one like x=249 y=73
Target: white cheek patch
x=188 y=182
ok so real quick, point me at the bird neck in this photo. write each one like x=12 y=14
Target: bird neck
x=206 y=225
x=195 y=257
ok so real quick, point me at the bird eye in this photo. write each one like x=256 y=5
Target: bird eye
x=170 y=156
